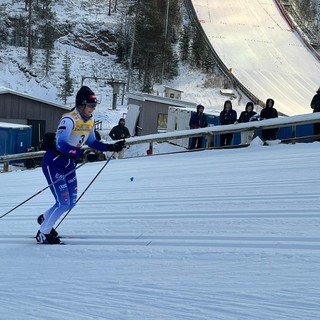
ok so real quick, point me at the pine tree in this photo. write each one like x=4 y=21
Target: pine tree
x=185 y=43
x=19 y=34
x=3 y=34
x=66 y=88
x=198 y=49
x=155 y=36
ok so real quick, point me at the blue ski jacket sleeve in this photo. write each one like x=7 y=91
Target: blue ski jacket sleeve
x=73 y=132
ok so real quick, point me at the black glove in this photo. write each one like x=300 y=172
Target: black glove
x=116 y=147
x=91 y=156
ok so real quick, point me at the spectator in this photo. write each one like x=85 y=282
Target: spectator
x=315 y=105
x=119 y=132
x=227 y=116
x=269 y=112
x=246 y=116
x=198 y=120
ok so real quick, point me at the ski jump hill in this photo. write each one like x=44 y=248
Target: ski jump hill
x=256 y=43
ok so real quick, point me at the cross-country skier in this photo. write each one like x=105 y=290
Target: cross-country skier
x=75 y=129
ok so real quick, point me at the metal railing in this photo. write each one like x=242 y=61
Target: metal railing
x=209 y=133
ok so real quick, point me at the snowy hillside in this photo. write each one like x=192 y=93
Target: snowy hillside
x=16 y=74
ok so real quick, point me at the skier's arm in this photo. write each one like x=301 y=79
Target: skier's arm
x=93 y=143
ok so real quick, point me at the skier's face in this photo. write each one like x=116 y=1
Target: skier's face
x=88 y=110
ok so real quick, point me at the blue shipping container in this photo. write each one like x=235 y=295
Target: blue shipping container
x=14 y=138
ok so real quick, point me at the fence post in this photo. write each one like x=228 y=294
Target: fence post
x=210 y=141
x=5 y=166
x=150 y=150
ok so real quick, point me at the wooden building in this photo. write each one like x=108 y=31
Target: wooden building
x=19 y=108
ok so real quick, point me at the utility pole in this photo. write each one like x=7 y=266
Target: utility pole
x=131 y=53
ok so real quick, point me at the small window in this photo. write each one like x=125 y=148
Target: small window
x=162 y=121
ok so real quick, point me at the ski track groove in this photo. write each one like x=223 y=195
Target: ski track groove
x=294 y=243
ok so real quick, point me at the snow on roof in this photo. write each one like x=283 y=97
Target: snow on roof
x=166 y=87
x=4 y=90
x=160 y=99
x=12 y=125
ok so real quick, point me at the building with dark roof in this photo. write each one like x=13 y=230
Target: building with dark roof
x=20 y=108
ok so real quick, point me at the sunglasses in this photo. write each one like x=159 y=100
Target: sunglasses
x=91 y=105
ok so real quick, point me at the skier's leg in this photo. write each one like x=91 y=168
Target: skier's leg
x=72 y=183
x=60 y=191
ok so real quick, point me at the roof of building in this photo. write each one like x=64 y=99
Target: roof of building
x=172 y=89
x=4 y=90
x=160 y=99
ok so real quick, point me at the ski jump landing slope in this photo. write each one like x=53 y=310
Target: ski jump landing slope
x=256 y=42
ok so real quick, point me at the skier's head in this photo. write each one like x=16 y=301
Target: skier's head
x=86 y=101
x=122 y=122
x=318 y=91
x=85 y=96
x=200 y=108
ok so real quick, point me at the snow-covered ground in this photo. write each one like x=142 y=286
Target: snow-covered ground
x=220 y=234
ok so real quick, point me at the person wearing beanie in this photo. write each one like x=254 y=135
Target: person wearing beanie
x=315 y=105
x=119 y=132
x=75 y=129
x=198 y=120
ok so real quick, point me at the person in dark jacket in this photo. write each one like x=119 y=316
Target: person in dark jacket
x=315 y=105
x=198 y=120
x=227 y=116
x=120 y=132
x=269 y=112
x=246 y=116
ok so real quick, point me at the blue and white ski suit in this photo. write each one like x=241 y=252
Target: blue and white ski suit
x=73 y=132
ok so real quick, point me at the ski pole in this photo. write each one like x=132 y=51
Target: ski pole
x=86 y=189
x=40 y=191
